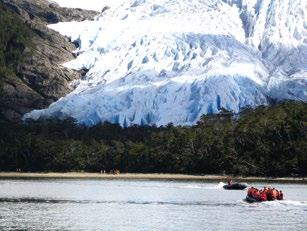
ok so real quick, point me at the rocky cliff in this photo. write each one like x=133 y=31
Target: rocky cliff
x=40 y=79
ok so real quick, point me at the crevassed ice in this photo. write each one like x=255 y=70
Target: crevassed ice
x=162 y=61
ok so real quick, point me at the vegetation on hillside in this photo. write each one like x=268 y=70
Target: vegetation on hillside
x=267 y=141
x=14 y=37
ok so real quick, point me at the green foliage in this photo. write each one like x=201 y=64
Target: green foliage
x=14 y=37
x=267 y=141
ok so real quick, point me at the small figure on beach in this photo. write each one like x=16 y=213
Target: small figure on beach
x=114 y=172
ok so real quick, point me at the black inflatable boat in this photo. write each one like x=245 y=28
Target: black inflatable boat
x=235 y=186
x=252 y=199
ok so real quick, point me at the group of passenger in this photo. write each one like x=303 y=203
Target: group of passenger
x=265 y=194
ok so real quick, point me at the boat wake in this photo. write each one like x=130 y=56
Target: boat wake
x=193 y=187
x=287 y=203
x=131 y=202
x=240 y=203
x=284 y=203
x=218 y=186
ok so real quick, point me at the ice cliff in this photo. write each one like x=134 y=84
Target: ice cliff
x=162 y=61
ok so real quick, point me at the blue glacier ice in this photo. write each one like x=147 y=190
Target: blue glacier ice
x=171 y=61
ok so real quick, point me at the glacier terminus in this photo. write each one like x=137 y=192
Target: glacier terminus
x=171 y=61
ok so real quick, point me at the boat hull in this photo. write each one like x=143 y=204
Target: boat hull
x=235 y=186
x=251 y=199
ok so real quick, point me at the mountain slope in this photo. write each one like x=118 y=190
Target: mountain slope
x=156 y=62
x=37 y=79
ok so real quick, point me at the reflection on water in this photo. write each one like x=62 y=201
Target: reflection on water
x=144 y=205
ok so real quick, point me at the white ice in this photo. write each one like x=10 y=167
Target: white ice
x=171 y=61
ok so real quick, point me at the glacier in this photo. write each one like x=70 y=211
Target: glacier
x=171 y=61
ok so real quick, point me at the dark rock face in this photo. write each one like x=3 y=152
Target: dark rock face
x=41 y=78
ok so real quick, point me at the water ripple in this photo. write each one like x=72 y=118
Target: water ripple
x=65 y=201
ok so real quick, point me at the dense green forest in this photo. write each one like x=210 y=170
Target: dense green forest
x=14 y=36
x=267 y=141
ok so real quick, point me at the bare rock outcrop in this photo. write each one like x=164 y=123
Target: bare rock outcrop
x=41 y=77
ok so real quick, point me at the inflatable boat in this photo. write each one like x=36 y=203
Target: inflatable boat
x=235 y=186
x=252 y=199
x=267 y=194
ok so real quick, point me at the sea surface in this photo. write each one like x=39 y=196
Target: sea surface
x=144 y=205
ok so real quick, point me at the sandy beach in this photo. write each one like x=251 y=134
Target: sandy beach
x=140 y=176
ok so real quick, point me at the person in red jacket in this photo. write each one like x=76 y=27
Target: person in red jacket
x=280 y=195
x=250 y=191
x=263 y=196
x=256 y=194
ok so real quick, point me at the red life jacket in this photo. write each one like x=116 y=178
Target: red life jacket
x=263 y=196
x=274 y=194
x=256 y=194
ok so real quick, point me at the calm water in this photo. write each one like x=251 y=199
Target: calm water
x=143 y=205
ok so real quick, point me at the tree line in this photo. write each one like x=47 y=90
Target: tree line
x=267 y=141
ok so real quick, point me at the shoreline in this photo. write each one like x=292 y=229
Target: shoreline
x=146 y=176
